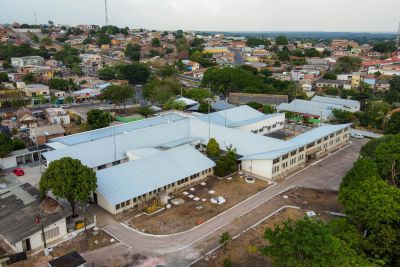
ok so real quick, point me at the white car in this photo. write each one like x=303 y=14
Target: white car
x=357 y=135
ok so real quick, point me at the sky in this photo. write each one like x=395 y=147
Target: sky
x=213 y=15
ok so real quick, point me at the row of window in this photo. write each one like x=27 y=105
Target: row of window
x=166 y=187
x=52 y=233
x=267 y=127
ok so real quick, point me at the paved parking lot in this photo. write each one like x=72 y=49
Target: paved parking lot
x=32 y=175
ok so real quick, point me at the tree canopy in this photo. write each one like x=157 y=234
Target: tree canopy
x=393 y=125
x=281 y=40
x=160 y=91
x=133 y=51
x=68 y=178
x=308 y=242
x=118 y=94
x=213 y=149
x=347 y=64
x=97 y=118
x=135 y=73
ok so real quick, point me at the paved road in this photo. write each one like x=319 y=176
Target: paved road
x=325 y=174
x=238 y=56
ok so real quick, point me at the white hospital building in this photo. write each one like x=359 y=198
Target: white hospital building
x=135 y=161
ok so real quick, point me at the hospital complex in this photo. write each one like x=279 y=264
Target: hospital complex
x=136 y=161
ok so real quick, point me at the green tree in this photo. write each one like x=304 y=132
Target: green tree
x=224 y=238
x=6 y=145
x=204 y=107
x=329 y=75
x=255 y=105
x=107 y=73
x=118 y=94
x=166 y=71
x=268 y=109
x=68 y=56
x=155 y=42
x=252 y=42
x=97 y=118
x=311 y=52
x=145 y=111
x=173 y=104
x=160 y=91
x=213 y=149
x=308 y=243
x=347 y=64
x=3 y=77
x=68 y=178
x=343 y=116
x=60 y=84
x=103 y=38
x=197 y=94
x=135 y=73
x=393 y=125
x=226 y=164
x=46 y=41
x=133 y=51
x=281 y=40
x=28 y=78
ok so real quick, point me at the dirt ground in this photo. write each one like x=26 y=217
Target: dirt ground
x=95 y=240
x=192 y=213
x=243 y=251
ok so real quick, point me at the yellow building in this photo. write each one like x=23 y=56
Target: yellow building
x=355 y=80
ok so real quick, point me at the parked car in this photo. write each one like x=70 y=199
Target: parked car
x=18 y=172
x=357 y=135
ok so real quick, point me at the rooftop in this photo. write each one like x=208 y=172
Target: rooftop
x=150 y=172
x=337 y=101
x=19 y=206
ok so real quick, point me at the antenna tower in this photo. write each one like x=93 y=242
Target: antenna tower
x=105 y=7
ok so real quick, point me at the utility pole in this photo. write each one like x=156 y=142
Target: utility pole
x=398 y=39
x=105 y=7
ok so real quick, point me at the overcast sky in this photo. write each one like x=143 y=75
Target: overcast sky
x=213 y=15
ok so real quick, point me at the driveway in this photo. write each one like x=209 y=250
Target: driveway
x=323 y=174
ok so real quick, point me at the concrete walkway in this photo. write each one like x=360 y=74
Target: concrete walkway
x=324 y=174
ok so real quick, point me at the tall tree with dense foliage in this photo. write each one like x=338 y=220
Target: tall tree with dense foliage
x=226 y=164
x=135 y=73
x=393 y=124
x=118 y=94
x=225 y=80
x=160 y=91
x=198 y=94
x=6 y=145
x=308 y=243
x=213 y=149
x=97 y=118
x=68 y=178
x=281 y=40
x=133 y=51
x=347 y=64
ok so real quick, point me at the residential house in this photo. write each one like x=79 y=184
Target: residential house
x=18 y=62
x=191 y=65
x=25 y=119
x=57 y=116
x=323 y=83
x=20 y=207
x=382 y=85
x=34 y=90
x=42 y=135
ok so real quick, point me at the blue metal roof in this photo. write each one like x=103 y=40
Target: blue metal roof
x=309 y=107
x=118 y=129
x=317 y=133
x=235 y=117
x=337 y=101
x=135 y=178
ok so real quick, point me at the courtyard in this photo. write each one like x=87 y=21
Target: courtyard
x=196 y=206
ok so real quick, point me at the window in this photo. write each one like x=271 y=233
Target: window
x=310 y=145
x=102 y=167
x=319 y=141
x=326 y=138
x=301 y=149
x=122 y=204
x=332 y=135
x=127 y=202
x=117 y=206
x=116 y=162
x=52 y=233
x=339 y=132
x=285 y=156
x=276 y=161
x=293 y=153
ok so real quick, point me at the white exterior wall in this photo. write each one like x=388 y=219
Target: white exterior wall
x=102 y=202
x=261 y=168
x=266 y=126
x=8 y=162
x=36 y=239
